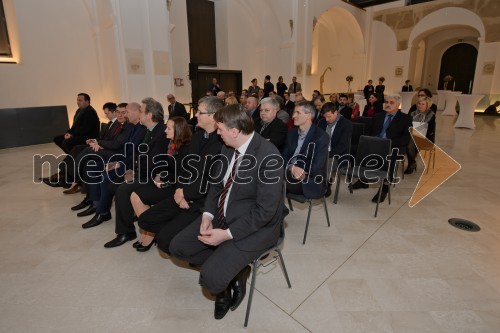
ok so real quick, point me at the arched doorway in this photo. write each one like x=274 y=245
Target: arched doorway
x=459 y=61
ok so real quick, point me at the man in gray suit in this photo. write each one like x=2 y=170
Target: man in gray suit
x=295 y=86
x=243 y=211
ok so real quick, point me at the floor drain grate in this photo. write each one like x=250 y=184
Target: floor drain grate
x=464 y=224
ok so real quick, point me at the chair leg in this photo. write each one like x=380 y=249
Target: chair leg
x=307 y=223
x=290 y=204
x=284 y=267
x=389 y=195
x=337 y=185
x=378 y=198
x=326 y=211
x=433 y=154
x=252 y=287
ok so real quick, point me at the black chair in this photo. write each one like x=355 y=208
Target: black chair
x=369 y=148
x=302 y=199
x=368 y=124
x=358 y=129
x=257 y=263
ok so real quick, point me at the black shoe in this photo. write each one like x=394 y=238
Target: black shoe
x=222 y=303
x=239 y=286
x=136 y=244
x=144 y=248
x=120 y=239
x=84 y=204
x=359 y=184
x=382 y=197
x=410 y=168
x=96 y=220
x=87 y=212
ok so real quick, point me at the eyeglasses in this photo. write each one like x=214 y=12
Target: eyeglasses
x=200 y=112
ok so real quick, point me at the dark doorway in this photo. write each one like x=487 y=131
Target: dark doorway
x=228 y=80
x=459 y=61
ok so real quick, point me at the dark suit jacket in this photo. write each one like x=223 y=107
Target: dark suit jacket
x=268 y=87
x=86 y=124
x=179 y=110
x=312 y=158
x=289 y=107
x=275 y=132
x=156 y=154
x=406 y=88
x=346 y=112
x=255 y=204
x=398 y=130
x=194 y=171
x=341 y=137
x=368 y=90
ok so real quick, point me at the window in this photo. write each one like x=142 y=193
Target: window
x=5 y=50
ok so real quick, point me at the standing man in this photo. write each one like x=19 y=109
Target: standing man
x=294 y=86
x=407 y=87
x=176 y=109
x=268 y=86
x=391 y=124
x=243 y=212
x=214 y=87
x=86 y=125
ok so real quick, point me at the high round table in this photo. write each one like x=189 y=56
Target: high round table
x=451 y=102
x=441 y=99
x=406 y=98
x=468 y=105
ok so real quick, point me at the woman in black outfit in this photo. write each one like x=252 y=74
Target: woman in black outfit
x=379 y=89
x=373 y=106
x=281 y=87
x=149 y=194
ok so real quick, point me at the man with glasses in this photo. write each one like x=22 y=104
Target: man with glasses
x=391 y=124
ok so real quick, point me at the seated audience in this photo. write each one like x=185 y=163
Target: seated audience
x=282 y=113
x=252 y=108
x=305 y=154
x=344 y=108
x=354 y=107
x=176 y=109
x=318 y=104
x=289 y=106
x=231 y=100
x=172 y=214
x=427 y=118
x=270 y=127
x=240 y=219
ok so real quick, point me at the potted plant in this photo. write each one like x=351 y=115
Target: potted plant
x=447 y=79
x=349 y=79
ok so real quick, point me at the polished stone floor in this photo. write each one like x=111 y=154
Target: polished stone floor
x=405 y=271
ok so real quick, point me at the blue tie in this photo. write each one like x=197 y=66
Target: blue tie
x=387 y=121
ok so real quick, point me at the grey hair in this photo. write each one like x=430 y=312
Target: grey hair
x=155 y=108
x=212 y=103
x=271 y=101
x=308 y=107
x=396 y=97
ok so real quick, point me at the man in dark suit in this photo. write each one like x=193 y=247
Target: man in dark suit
x=241 y=218
x=176 y=109
x=86 y=125
x=101 y=192
x=147 y=166
x=318 y=104
x=270 y=127
x=289 y=106
x=268 y=86
x=252 y=108
x=305 y=154
x=391 y=124
x=344 y=108
x=407 y=87
x=171 y=215
x=339 y=130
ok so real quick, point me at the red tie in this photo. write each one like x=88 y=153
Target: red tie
x=221 y=219
x=118 y=128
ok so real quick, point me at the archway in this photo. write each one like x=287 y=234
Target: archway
x=459 y=61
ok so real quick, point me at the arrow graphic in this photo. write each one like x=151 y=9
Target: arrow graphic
x=438 y=167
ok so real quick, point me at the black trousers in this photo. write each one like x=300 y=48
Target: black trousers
x=67 y=144
x=166 y=219
x=293 y=185
x=219 y=264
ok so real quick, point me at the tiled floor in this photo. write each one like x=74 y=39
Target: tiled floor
x=405 y=271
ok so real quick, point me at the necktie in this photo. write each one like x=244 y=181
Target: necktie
x=264 y=125
x=108 y=126
x=117 y=129
x=221 y=219
x=387 y=121
x=329 y=129
x=146 y=137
